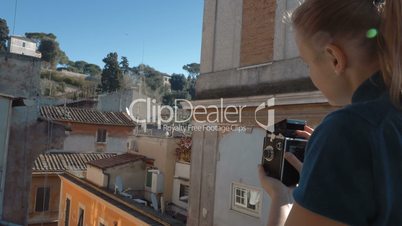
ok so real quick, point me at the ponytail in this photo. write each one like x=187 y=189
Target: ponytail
x=391 y=48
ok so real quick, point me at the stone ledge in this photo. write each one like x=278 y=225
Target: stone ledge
x=287 y=76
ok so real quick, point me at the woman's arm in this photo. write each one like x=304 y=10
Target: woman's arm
x=300 y=216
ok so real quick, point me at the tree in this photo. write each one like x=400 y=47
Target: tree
x=63 y=58
x=39 y=36
x=92 y=69
x=49 y=50
x=178 y=82
x=80 y=65
x=111 y=74
x=169 y=98
x=125 y=67
x=191 y=86
x=3 y=34
x=193 y=69
x=154 y=81
x=54 y=55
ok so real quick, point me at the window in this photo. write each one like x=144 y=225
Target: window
x=81 y=214
x=42 y=199
x=246 y=199
x=148 y=180
x=67 y=213
x=102 y=222
x=101 y=136
x=240 y=197
x=184 y=193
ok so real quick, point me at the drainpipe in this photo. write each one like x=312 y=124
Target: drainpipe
x=4 y=151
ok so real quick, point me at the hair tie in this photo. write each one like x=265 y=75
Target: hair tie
x=378 y=2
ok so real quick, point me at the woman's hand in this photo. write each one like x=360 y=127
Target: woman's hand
x=275 y=188
x=281 y=195
x=306 y=133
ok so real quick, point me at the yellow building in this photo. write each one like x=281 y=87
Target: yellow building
x=45 y=187
x=84 y=203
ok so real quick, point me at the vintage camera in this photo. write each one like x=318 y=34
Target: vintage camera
x=282 y=140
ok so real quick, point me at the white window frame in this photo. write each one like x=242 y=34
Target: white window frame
x=243 y=207
x=242 y=196
x=106 y=136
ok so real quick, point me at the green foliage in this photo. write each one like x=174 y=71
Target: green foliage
x=169 y=98
x=3 y=34
x=111 y=74
x=125 y=67
x=39 y=36
x=60 y=78
x=178 y=82
x=82 y=67
x=92 y=69
x=63 y=58
x=191 y=86
x=154 y=82
x=193 y=69
x=50 y=48
x=153 y=78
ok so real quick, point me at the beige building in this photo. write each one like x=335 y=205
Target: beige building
x=163 y=151
x=127 y=168
x=23 y=46
x=249 y=59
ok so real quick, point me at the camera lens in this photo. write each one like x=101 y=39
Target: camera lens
x=269 y=153
x=279 y=145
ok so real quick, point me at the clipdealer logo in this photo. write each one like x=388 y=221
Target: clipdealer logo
x=161 y=115
x=269 y=126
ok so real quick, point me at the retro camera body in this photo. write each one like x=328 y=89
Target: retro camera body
x=282 y=140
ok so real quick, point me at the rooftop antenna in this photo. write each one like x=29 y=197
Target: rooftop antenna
x=15 y=15
x=143 y=49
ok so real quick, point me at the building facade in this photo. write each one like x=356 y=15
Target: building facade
x=45 y=187
x=82 y=203
x=92 y=130
x=22 y=136
x=249 y=60
x=163 y=151
x=23 y=46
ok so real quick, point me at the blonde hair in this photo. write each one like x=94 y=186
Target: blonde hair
x=376 y=26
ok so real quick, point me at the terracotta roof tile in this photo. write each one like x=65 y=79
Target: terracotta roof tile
x=59 y=162
x=116 y=160
x=88 y=116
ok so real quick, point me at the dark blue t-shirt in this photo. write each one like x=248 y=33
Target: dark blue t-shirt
x=352 y=172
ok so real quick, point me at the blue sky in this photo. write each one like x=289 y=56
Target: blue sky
x=169 y=31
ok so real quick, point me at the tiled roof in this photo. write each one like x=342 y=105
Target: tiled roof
x=59 y=162
x=89 y=116
x=116 y=160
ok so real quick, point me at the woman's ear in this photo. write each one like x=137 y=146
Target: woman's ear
x=337 y=58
